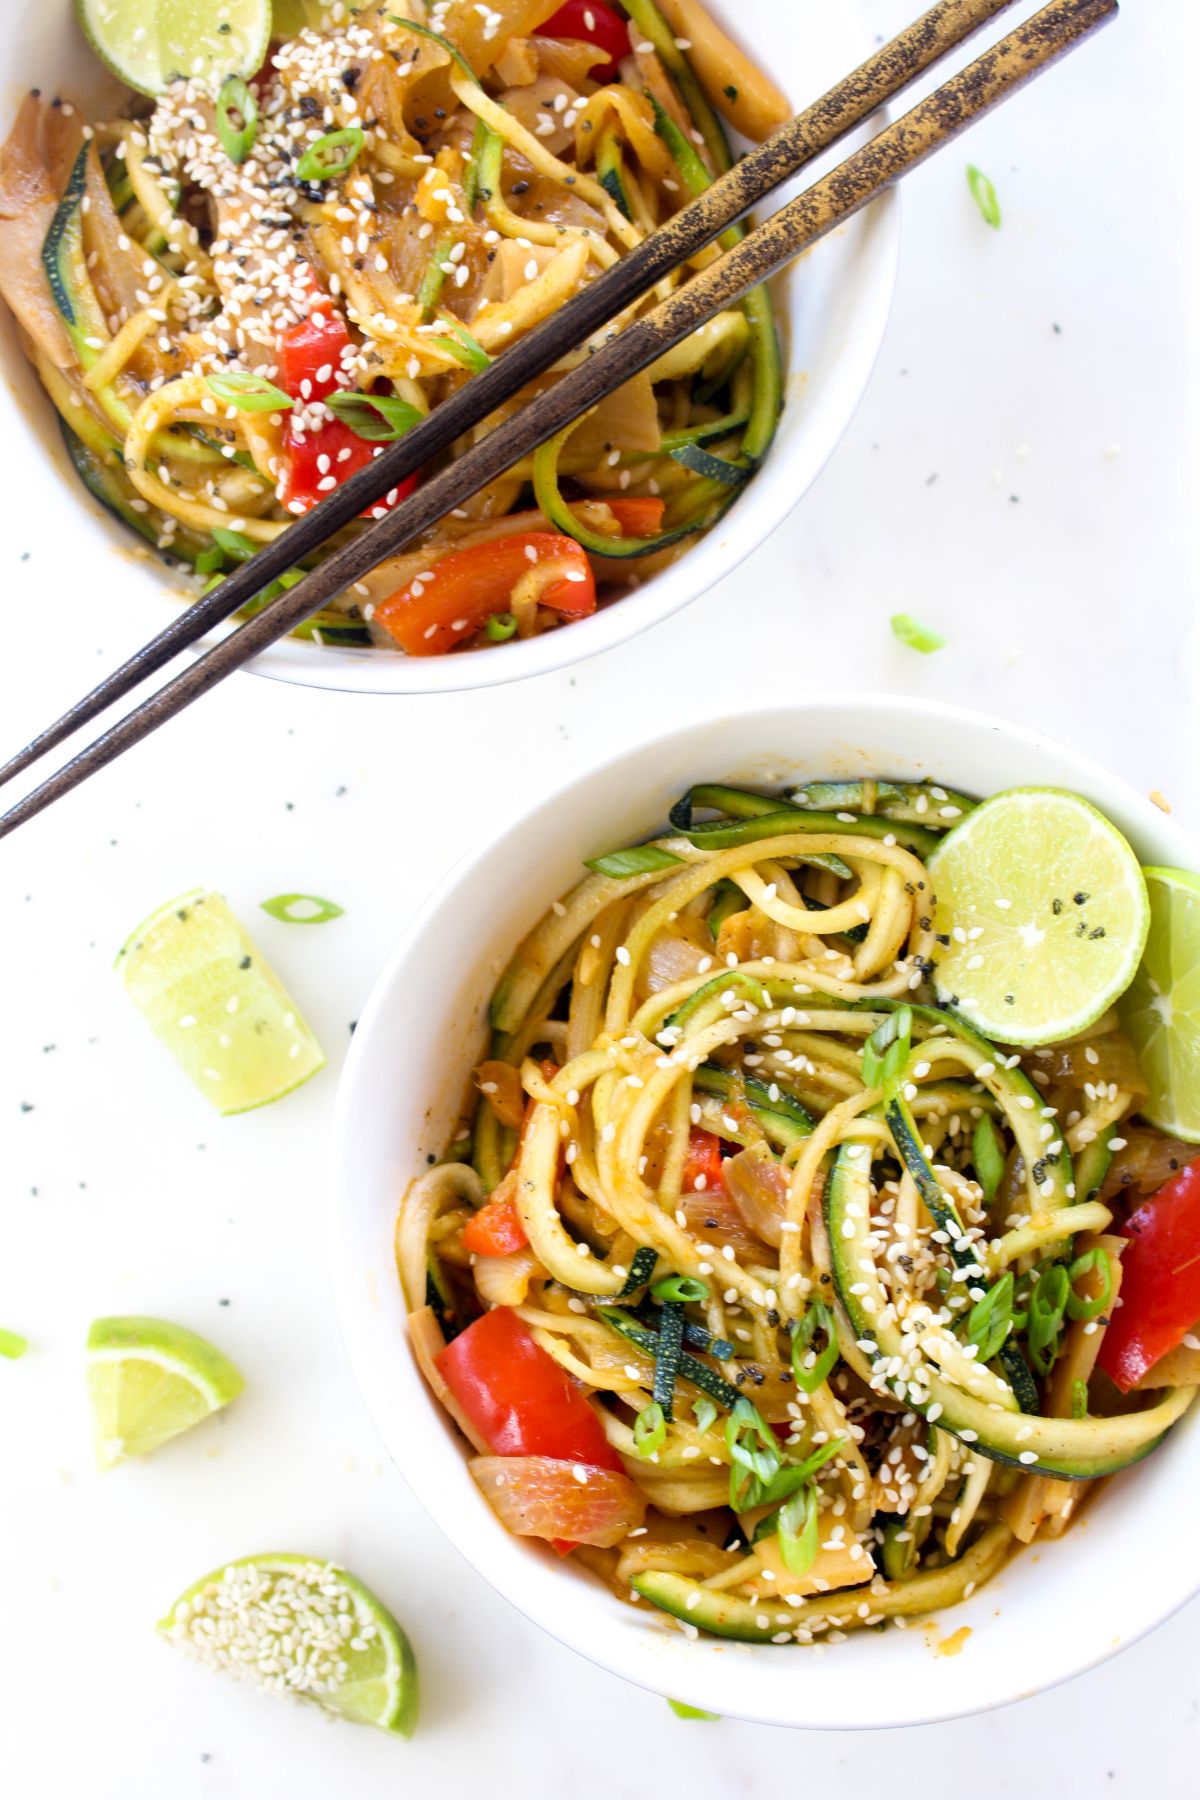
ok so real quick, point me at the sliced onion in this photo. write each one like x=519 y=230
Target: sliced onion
x=758 y=1188
x=504 y=1280
x=1147 y=1160
x=539 y=1496
x=500 y=1083
x=670 y=959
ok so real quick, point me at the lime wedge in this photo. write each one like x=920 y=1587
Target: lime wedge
x=1041 y=914
x=305 y=1628
x=148 y=1381
x=1161 y=1011
x=211 y=997
x=150 y=43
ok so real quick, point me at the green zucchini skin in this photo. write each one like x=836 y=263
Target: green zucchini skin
x=784 y=1120
x=722 y=834
x=62 y=250
x=762 y=1622
x=910 y=801
x=103 y=480
x=1072 y=1450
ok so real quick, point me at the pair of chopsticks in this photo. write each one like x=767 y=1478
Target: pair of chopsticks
x=763 y=253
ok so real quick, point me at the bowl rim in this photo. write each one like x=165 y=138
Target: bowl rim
x=568 y=1624
x=865 y=291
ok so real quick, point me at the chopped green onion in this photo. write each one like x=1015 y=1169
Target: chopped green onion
x=706 y=1413
x=690 y=1712
x=916 y=636
x=642 y=859
x=817 y=1318
x=500 y=627
x=641 y=1269
x=463 y=347
x=990 y=1319
x=1078 y=1306
x=984 y=196
x=12 y=1344
x=1079 y=1399
x=237 y=118
x=1047 y=1309
x=302 y=909
x=650 y=1430
x=379 y=418
x=332 y=155
x=668 y=1355
x=210 y=559
x=987 y=1155
x=249 y=393
x=886 y=1050
x=234 y=543
x=214 y=581
x=680 y=1287
x=754 y=1455
x=791 y=1477
x=799 y=1521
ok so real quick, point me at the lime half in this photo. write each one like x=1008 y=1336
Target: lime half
x=211 y=997
x=1041 y=916
x=302 y=1628
x=1161 y=1011
x=148 y=1381
x=150 y=43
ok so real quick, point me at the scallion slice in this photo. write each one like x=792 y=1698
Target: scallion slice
x=12 y=1344
x=990 y=1319
x=500 y=627
x=236 y=118
x=302 y=909
x=1078 y=1306
x=641 y=859
x=690 y=1712
x=799 y=1520
x=234 y=544
x=987 y=1155
x=331 y=156
x=817 y=1318
x=463 y=347
x=378 y=418
x=681 y=1288
x=250 y=393
x=984 y=195
x=915 y=635
x=650 y=1430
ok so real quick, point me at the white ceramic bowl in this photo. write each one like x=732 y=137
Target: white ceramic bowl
x=1054 y=1611
x=835 y=310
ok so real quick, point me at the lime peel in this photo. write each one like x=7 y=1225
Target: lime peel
x=1161 y=1011
x=1041 y=916
x=304 y=1629
x=150 y=1380
x=147 y=44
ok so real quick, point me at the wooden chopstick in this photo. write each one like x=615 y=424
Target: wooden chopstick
x=884 y=75
x=901 y=147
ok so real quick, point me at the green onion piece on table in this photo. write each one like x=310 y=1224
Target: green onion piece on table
x=12 y=1345
x=984 y=195
x=917 y=636
x=302 y=909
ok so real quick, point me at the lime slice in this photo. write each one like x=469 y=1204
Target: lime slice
x=1161 y=1011
x=297 y=1626
x=148 y=1381
x=150 y=43
x=1043 y=914
x=211 y=997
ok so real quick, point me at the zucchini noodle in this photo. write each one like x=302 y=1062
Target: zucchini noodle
x=493 y=171
x=753 y=1225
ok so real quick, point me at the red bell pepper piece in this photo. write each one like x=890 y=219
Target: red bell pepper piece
x=702 y=1170
x=317 y=462
x=466 y=587
x=1160 y=1281
x=496 y=1229
x=592 y=22
x=521 y=1402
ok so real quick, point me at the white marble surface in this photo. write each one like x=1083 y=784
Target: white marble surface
x=1027 y=489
